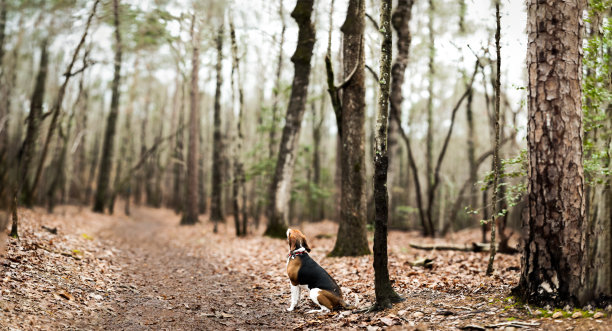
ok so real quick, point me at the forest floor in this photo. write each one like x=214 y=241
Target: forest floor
x=144 y=272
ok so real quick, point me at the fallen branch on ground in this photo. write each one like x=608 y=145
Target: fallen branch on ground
x=474 y=247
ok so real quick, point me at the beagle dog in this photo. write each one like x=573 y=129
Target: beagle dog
x=303 y=271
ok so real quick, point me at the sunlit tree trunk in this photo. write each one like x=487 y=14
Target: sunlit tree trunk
x=352 y=237
x=103 y=190
x=280 y=189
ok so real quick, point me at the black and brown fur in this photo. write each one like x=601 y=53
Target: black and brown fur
x=303 y=270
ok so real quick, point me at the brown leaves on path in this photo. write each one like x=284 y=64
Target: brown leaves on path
x=146 y=272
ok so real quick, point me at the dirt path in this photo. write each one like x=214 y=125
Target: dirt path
x=170 y=287
x=145 y=272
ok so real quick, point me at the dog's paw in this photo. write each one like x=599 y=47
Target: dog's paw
x=290 y=308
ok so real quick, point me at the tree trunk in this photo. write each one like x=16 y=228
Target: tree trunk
x=60 y=168
x=496 y=162
x=216 y=207
x=202 y=203
x=26 y=154
x=318 y=206
x=385 y=295
x=178 y=151
x=239 y=191
x=401 y=23
x=352 y=237
x=280 y=188
x=277 y=85
x=191 y=212
x=429 y=137
x=473 y=168
x=552 y=268
x=106 y=163
x=3 y=12
x=57 y=107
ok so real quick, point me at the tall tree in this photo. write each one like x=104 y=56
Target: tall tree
x=277 y=83
x=429 y=138
x=3 y=12
x=552 y=268
x=216 y=208
x=191 y=211
x=280 y=188
x=496 y=165
x=106 y=162
x=385 y=295
x=57 y=106
x=26 y=153
x=239 y=190
x=352 y=237
x=401 y=23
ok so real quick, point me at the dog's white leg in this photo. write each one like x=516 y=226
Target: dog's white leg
x=314 y=293
x=295 y=296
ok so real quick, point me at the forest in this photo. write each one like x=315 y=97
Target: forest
x=175 y=164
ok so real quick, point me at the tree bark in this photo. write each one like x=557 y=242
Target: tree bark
x=3 y=12
x=401 y=23
x=552 y=268
x=191 y=212
x=178 y=151
x=385 y=295
x=277 y=85
x=471 y=153
x=280 y=188
x=429 y=137
x=102 y=191
x=26 y=154
x=57 y=107
x=352 y=236
x=496 y=162
x=318 y=205
x=239 y=190
x=216 y=208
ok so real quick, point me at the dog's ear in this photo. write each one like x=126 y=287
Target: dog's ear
x=305 y=244
x=292 y=240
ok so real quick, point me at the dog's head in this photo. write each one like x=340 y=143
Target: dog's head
x=296 y=240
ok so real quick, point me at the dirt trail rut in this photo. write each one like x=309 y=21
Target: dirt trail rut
x=167 y=286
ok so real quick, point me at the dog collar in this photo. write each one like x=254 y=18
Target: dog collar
x=293 y=254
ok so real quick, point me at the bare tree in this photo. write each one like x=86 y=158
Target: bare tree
x=57 y=106
x=280 y=188
x=216 y=210
x=191 y=211
x=496 y=164
x=352 y=237
x=103 y=189
x=385 y=295
x=239 y=190
x=277 y=83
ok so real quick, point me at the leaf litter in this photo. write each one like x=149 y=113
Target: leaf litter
x=145 y=272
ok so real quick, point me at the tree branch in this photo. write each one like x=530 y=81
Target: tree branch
x=415 y=173
x=436 y=181
x=372 y=72
x=373 y=22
